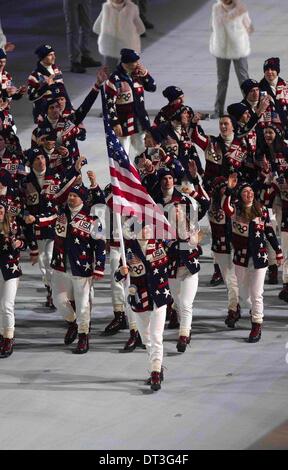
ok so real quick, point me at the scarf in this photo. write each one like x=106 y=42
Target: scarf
x=228 y=139
x=40 y=177
x=167 y=195
x=74 y=211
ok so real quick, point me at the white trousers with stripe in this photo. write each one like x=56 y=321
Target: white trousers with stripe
x=8 y=291
x=67 y=287
x=151 y=327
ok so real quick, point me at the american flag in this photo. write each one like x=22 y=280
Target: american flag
x=130 y=197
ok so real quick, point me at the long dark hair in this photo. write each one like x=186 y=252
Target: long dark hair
x=249 y=215
x=278 y=145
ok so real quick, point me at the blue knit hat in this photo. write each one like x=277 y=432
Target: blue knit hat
x=43 y=51
x=165 y=172
x=158 y=133
x=272 y=63
x=33 y=153
x=172 y=93
x=237 y=110
x=248 y=84
x=128 y=56
x=81 y=191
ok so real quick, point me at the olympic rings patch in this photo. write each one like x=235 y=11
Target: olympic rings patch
x=240 y=228
x=60 y=229
x=33 y=198
x=138 y=269
x=125 y=97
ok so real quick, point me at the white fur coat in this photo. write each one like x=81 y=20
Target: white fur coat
x=118 y=29
x=2 y=38
x=230 y=31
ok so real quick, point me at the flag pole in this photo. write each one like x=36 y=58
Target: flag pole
x=121 y=239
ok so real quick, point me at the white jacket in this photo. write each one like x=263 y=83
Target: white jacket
x=118 y=29
x=230 y=31
x=2 y=38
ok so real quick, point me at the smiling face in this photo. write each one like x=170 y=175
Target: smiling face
x=269 y=135
x=185 y=117
x=247 y=196
x=270 y=75
x=226 y=126
x=49 y=144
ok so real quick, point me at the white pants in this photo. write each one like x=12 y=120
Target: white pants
x=45 y=248
x=151 y=327
x=227 y=268
x=284 y=246
x=251 y=286
x=183 y=289
x=66 y=287
x=133 y=144
x=132 y=321
x=118 y=291
x=8 y=291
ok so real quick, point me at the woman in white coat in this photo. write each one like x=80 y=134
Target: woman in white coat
x=118 y=26
x=231 y=26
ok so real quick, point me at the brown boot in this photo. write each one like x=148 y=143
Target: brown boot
x=148 y=381
x=133 y=342
x=118 y=323
x=217 y=276
x=82 y=345
x=182 y=343
x=7 y=348
x=155 y=381
x=255 y=333
x=232 y=317
x=71 y=333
